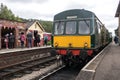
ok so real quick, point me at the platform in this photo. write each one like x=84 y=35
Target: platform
x=105 y=66
x=2 y=51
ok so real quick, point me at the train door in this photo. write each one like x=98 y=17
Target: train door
x=5 y=31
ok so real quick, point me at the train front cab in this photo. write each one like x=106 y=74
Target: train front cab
x=73 y=47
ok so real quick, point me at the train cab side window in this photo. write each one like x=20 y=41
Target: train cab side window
x=59 y=28
x=84 y=27
x=70 y=27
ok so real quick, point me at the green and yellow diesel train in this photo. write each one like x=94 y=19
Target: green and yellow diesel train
x=77 y=34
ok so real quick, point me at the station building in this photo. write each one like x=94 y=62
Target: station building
x=117 y=14
x=8 y=26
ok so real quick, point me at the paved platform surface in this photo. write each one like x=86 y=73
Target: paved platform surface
x=109 y=68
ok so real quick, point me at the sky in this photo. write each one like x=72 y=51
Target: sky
x=46 y=9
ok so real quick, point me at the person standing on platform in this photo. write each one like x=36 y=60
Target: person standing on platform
x=29 y=39
x=11 y=40
x=35 y=38
x=45 y=40
x=116 y=39
x=22 y=39
x=38 y=40
x=6 y=40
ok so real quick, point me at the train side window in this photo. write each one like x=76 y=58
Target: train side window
x=84 y=27
x=99 y=28
x=70 y=27
x=59 y=28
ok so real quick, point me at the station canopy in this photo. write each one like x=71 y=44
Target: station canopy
x=10 y=24
x=118 y=11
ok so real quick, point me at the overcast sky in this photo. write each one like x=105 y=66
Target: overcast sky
x=45 y=9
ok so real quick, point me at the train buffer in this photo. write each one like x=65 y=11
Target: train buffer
x=105 y=66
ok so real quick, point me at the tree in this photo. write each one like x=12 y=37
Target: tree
x=6 y=13
x=47 y=25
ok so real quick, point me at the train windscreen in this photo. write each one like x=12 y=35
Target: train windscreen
x=59 y=28
x=84 y=27
x=70 y=27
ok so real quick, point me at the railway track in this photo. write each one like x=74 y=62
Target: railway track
x=25 y=68
x=19 y=62
x=63 y=73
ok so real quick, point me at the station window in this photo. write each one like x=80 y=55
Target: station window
x=59 y=28
x=70 y=27
x=84 y=27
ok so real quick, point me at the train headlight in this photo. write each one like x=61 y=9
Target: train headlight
x=85 y=45
x=56 y=44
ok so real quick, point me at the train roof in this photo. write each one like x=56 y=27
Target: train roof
x=80 y=13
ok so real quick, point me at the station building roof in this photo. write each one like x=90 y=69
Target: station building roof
x=11 y=24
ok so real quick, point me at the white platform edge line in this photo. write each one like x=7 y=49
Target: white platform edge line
x=89 y=70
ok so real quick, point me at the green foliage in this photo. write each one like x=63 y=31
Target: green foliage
x=47 y=25
x=49 y=42
x=6 y=13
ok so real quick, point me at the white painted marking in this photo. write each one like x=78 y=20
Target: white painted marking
x=89 y=70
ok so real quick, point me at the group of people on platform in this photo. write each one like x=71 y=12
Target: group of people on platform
x=9 y=40
x=32 y=40
x=28 y=40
